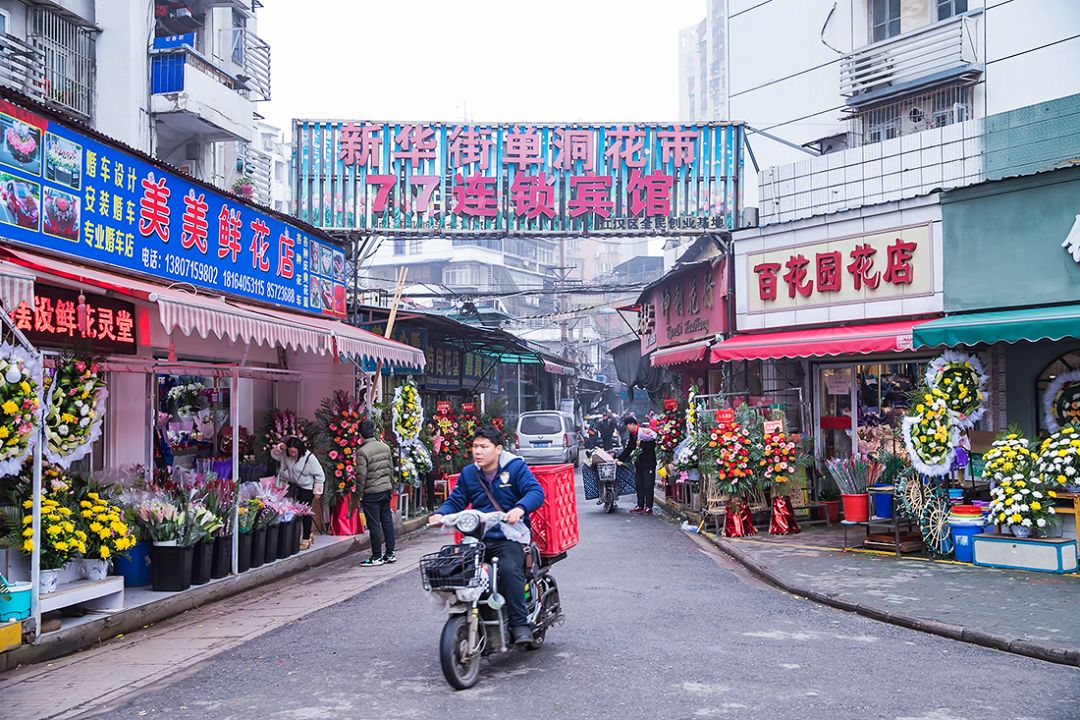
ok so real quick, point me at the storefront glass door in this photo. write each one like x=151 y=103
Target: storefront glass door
x=835 y=400
x=861 y=407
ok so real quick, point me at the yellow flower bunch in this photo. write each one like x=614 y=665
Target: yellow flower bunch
x=931 y=434
x=1058 y=464
x=1009 y=456
x=63 y=538
x=107 y=533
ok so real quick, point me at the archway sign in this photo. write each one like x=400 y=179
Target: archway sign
x=451 y=179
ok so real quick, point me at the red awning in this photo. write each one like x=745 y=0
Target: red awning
x=690 y=352
x=205 y=315
x=821 y=342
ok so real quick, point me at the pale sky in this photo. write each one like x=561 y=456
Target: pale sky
x=481 y=60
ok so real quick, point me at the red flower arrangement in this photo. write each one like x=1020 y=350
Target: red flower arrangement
x=780 y=459
x=339 y=417
x=466 y=429
x=446 y=440
x=671 y=430
x=734 y=451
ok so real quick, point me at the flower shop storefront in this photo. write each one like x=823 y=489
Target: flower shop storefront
x=681 y=316
x=1012 y=291
x=172 y=403
x=150 y=364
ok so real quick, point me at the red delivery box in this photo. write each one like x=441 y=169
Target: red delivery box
x=554 y=525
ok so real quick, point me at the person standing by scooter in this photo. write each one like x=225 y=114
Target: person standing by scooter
x=499 y=481
x=644 y=464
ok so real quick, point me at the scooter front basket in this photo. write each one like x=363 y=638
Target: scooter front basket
x=454 y=567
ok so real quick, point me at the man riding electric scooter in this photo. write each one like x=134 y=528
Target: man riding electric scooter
x=499 y=481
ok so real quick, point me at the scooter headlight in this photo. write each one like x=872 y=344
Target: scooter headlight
x=468 y=523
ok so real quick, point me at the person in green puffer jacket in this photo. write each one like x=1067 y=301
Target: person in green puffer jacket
x=375 y=480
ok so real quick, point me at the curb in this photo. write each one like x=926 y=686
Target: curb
x=1061 y=656
x=80 y=637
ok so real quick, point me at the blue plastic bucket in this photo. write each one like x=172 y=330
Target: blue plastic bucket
x=18 y=607
x=883 y=500
x=135 y=569
x=963 y=545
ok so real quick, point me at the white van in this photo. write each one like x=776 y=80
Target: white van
x=547 y=437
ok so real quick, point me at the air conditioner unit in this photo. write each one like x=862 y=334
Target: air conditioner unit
x=914 y=118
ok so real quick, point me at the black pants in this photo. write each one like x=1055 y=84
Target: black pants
x=380 y=522
x=511 y=576
x=646 y=486
x=303 y=495
x=609 y=442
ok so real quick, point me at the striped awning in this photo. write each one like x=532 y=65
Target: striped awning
x=233 y=320
x=16 y=286
x=203 y=316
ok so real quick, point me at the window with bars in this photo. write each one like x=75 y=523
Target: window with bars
x=937 y=108
x=884 y=19
x=68 y=51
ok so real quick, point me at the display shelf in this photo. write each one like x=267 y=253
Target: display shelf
x=107 y=594
x=908 y=541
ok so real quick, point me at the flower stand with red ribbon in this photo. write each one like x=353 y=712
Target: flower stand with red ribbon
x=346 y=519
x=783 y=517
x=739 y=521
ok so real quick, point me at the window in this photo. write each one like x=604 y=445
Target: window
x=882 y=124
x=68 y=50
x=399 y=247
x=1069 y=396
x=950 y=8
x=4 y=21
x=884 y=19
x=540 y=425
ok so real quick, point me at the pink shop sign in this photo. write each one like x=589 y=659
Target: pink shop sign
x=688 y=305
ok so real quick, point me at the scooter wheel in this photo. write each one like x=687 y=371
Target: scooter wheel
x=453 y=645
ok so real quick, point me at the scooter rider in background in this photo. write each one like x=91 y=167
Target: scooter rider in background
x=499 y=481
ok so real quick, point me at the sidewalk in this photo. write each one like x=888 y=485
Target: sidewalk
x=145 y=607
x=114 y=670
x=1027 y=613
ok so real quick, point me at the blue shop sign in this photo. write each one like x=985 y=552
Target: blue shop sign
x=65 y=192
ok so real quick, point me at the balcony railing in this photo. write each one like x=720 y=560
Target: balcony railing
x=941 y=52
x=257 y=65
x=167 y=68
x=22 y=67
x=259 y=166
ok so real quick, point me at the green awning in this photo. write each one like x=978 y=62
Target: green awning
x=1007 y=326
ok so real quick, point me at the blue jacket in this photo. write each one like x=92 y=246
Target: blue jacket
x=514 y=486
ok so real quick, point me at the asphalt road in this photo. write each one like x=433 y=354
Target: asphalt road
x=657 y=627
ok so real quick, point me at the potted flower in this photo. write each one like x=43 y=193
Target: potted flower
x=1022 y=505
x=244 y=187
x=63 y=538
x=108 y=535
x=186 y=397
x=171 y=555
x=205 y=525
x=248 y=513
x=829 y=496
x=219 y=501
